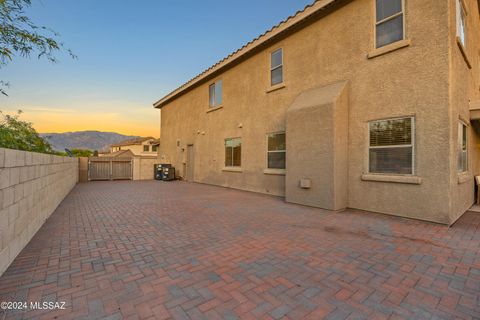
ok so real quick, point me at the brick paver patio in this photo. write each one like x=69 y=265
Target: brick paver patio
x=153 y=250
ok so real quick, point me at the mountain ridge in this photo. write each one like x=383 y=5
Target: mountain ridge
x=88 y=139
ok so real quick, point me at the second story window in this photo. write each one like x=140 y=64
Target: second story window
x=146 y=148
x=389 y=24
x=154 y=148
x=461 y=23
x=215 y=94
x=276 y=67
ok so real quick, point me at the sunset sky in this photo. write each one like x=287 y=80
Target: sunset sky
x=130 y=54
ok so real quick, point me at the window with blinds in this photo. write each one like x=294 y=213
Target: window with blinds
x=276 y=150
x=462 y=148
x=233 y=152
x=391 y=149
x=389 y=26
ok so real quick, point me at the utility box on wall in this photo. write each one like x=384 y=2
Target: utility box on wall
x=305 y=183
x=317 y=144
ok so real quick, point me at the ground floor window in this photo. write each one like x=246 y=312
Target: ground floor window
x=276 y=150
x=391 y=149
x=233 y=152
x=462 y=148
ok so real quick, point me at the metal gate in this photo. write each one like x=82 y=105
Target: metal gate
x=106 y=168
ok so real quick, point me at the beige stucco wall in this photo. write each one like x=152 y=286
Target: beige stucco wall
x=143 y=168
x=465 y=87
x=411 y=81
x=317 y=141
x=83 y=169
x=31 y=187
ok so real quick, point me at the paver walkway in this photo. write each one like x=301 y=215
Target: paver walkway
x=157 y=250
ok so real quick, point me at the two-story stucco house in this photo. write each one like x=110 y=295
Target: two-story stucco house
x=146 y=146
x=366 y=104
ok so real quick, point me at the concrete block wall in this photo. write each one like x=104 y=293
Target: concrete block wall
x=32 y=185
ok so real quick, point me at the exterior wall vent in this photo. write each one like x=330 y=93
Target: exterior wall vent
x=305 y=183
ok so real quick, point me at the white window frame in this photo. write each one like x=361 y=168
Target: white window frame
x=279 y=66
x=275 y=151
x=411 y=145
x=402 y=13
x=462 y=125
x=461 y=13
x=225 y=145
x=214 y=85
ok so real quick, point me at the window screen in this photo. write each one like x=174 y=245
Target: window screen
x=276 y=151
x=461 y=23
x=462 y=148
x=233 y=152
x=391 y=146
x=276 y=67
x=215 y=94
x=218 y=93
x=211 y=95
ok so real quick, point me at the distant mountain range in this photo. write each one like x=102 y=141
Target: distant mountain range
x=92 y=140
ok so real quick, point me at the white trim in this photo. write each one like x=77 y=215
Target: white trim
x=411 y=145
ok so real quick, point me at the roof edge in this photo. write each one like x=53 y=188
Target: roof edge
x=131 y=142
x=299 y=16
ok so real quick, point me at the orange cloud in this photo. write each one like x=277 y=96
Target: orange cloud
x=137 y=121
